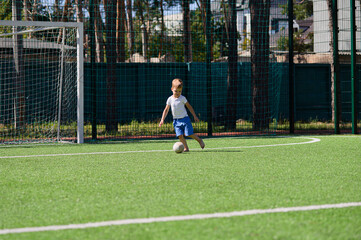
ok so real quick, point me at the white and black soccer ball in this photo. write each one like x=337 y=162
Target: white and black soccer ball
x=178 y=147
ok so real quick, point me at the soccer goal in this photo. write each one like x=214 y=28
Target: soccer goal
x=41 y=82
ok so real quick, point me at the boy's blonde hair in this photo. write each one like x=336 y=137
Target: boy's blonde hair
x=177 y=83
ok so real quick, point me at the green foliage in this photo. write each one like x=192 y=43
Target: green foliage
x=198 y=39
x=5 y=10
x=282 y=43
x=301 y=10
x=299 y=44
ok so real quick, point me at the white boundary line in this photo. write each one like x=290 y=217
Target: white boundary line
x=172 y=140
x=178 y=218
x=313 y=140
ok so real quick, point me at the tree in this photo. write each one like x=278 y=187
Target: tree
x=56 y=11
x=139 y=6
x=27 y=10
x=202 y=6
x=5 y=10
x=232 y=66
x=99 y=29
x=301 y=10
x=35 y=11
x=299 y=44
x=65 y=17
x=260 y=12
x=130 y=30
x=79 y=10
x=120 y=35
x=187 y=34
x=162 y=4
x=335 y=80
x=110 y=24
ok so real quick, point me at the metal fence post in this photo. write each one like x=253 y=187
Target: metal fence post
x=291 y=77
x=208 y=68
x=353 y=67
x=93 y=71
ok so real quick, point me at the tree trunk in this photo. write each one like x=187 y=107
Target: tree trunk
x=56 y=11
x=35 y=11
x=231 y=113
x=144 y=28
x=65 y=18
x=147 y=27
x=260 y=11
x=79 y=10
x=98 y=27
x=120 y=38
x=202 y=5
x=110 y=25
x=27 y=10
x=30 y=12
x=333 y=66
x=130 y=32
x=187 y=38
x=162 y=28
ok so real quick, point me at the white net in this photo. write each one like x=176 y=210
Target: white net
x=38 y=84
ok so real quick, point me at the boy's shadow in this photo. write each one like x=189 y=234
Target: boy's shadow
x=219 y=150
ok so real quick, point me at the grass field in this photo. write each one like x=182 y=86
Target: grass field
x=136 y=184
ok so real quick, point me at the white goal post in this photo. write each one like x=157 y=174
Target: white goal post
x=41 y=81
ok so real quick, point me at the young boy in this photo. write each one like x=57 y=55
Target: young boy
x=181 y=122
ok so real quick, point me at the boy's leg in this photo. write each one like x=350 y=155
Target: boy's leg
x=199 y=140
x=183 y=140
x=189 y=132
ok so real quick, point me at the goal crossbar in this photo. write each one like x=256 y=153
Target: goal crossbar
x=40 y=24
x=29 y=31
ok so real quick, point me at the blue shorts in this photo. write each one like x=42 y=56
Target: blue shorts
x=183 y=126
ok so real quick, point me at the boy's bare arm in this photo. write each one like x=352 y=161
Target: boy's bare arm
x=164 y=115
x=190 y=108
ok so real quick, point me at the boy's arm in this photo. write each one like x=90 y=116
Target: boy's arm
x=165 y=113
x=190 y=108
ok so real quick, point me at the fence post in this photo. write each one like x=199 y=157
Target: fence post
x=291 y=77
x=353 y=67
x=208 y=68
x=93 y=72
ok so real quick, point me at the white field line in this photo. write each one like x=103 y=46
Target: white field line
x=313 y=140
x=172 y=140
x=178 y=218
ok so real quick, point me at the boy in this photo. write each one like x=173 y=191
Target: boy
x=181 y=122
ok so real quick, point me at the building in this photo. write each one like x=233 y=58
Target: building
x=278 y=21
x=322 y=29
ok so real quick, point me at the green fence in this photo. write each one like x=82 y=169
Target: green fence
x=143 y=90
x=235 y=58
x=136 y=92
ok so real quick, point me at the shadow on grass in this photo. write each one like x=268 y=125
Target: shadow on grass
x=216 y=150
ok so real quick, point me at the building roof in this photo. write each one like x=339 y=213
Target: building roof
x=244 y=4
x=305 y=28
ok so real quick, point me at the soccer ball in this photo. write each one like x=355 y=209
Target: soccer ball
x=178 y=147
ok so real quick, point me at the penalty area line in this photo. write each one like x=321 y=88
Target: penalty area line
x=178 y=218
x=313 y=140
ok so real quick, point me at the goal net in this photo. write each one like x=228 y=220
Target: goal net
x=41 y=92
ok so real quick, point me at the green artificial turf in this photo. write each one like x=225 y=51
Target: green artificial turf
x=143 y=179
